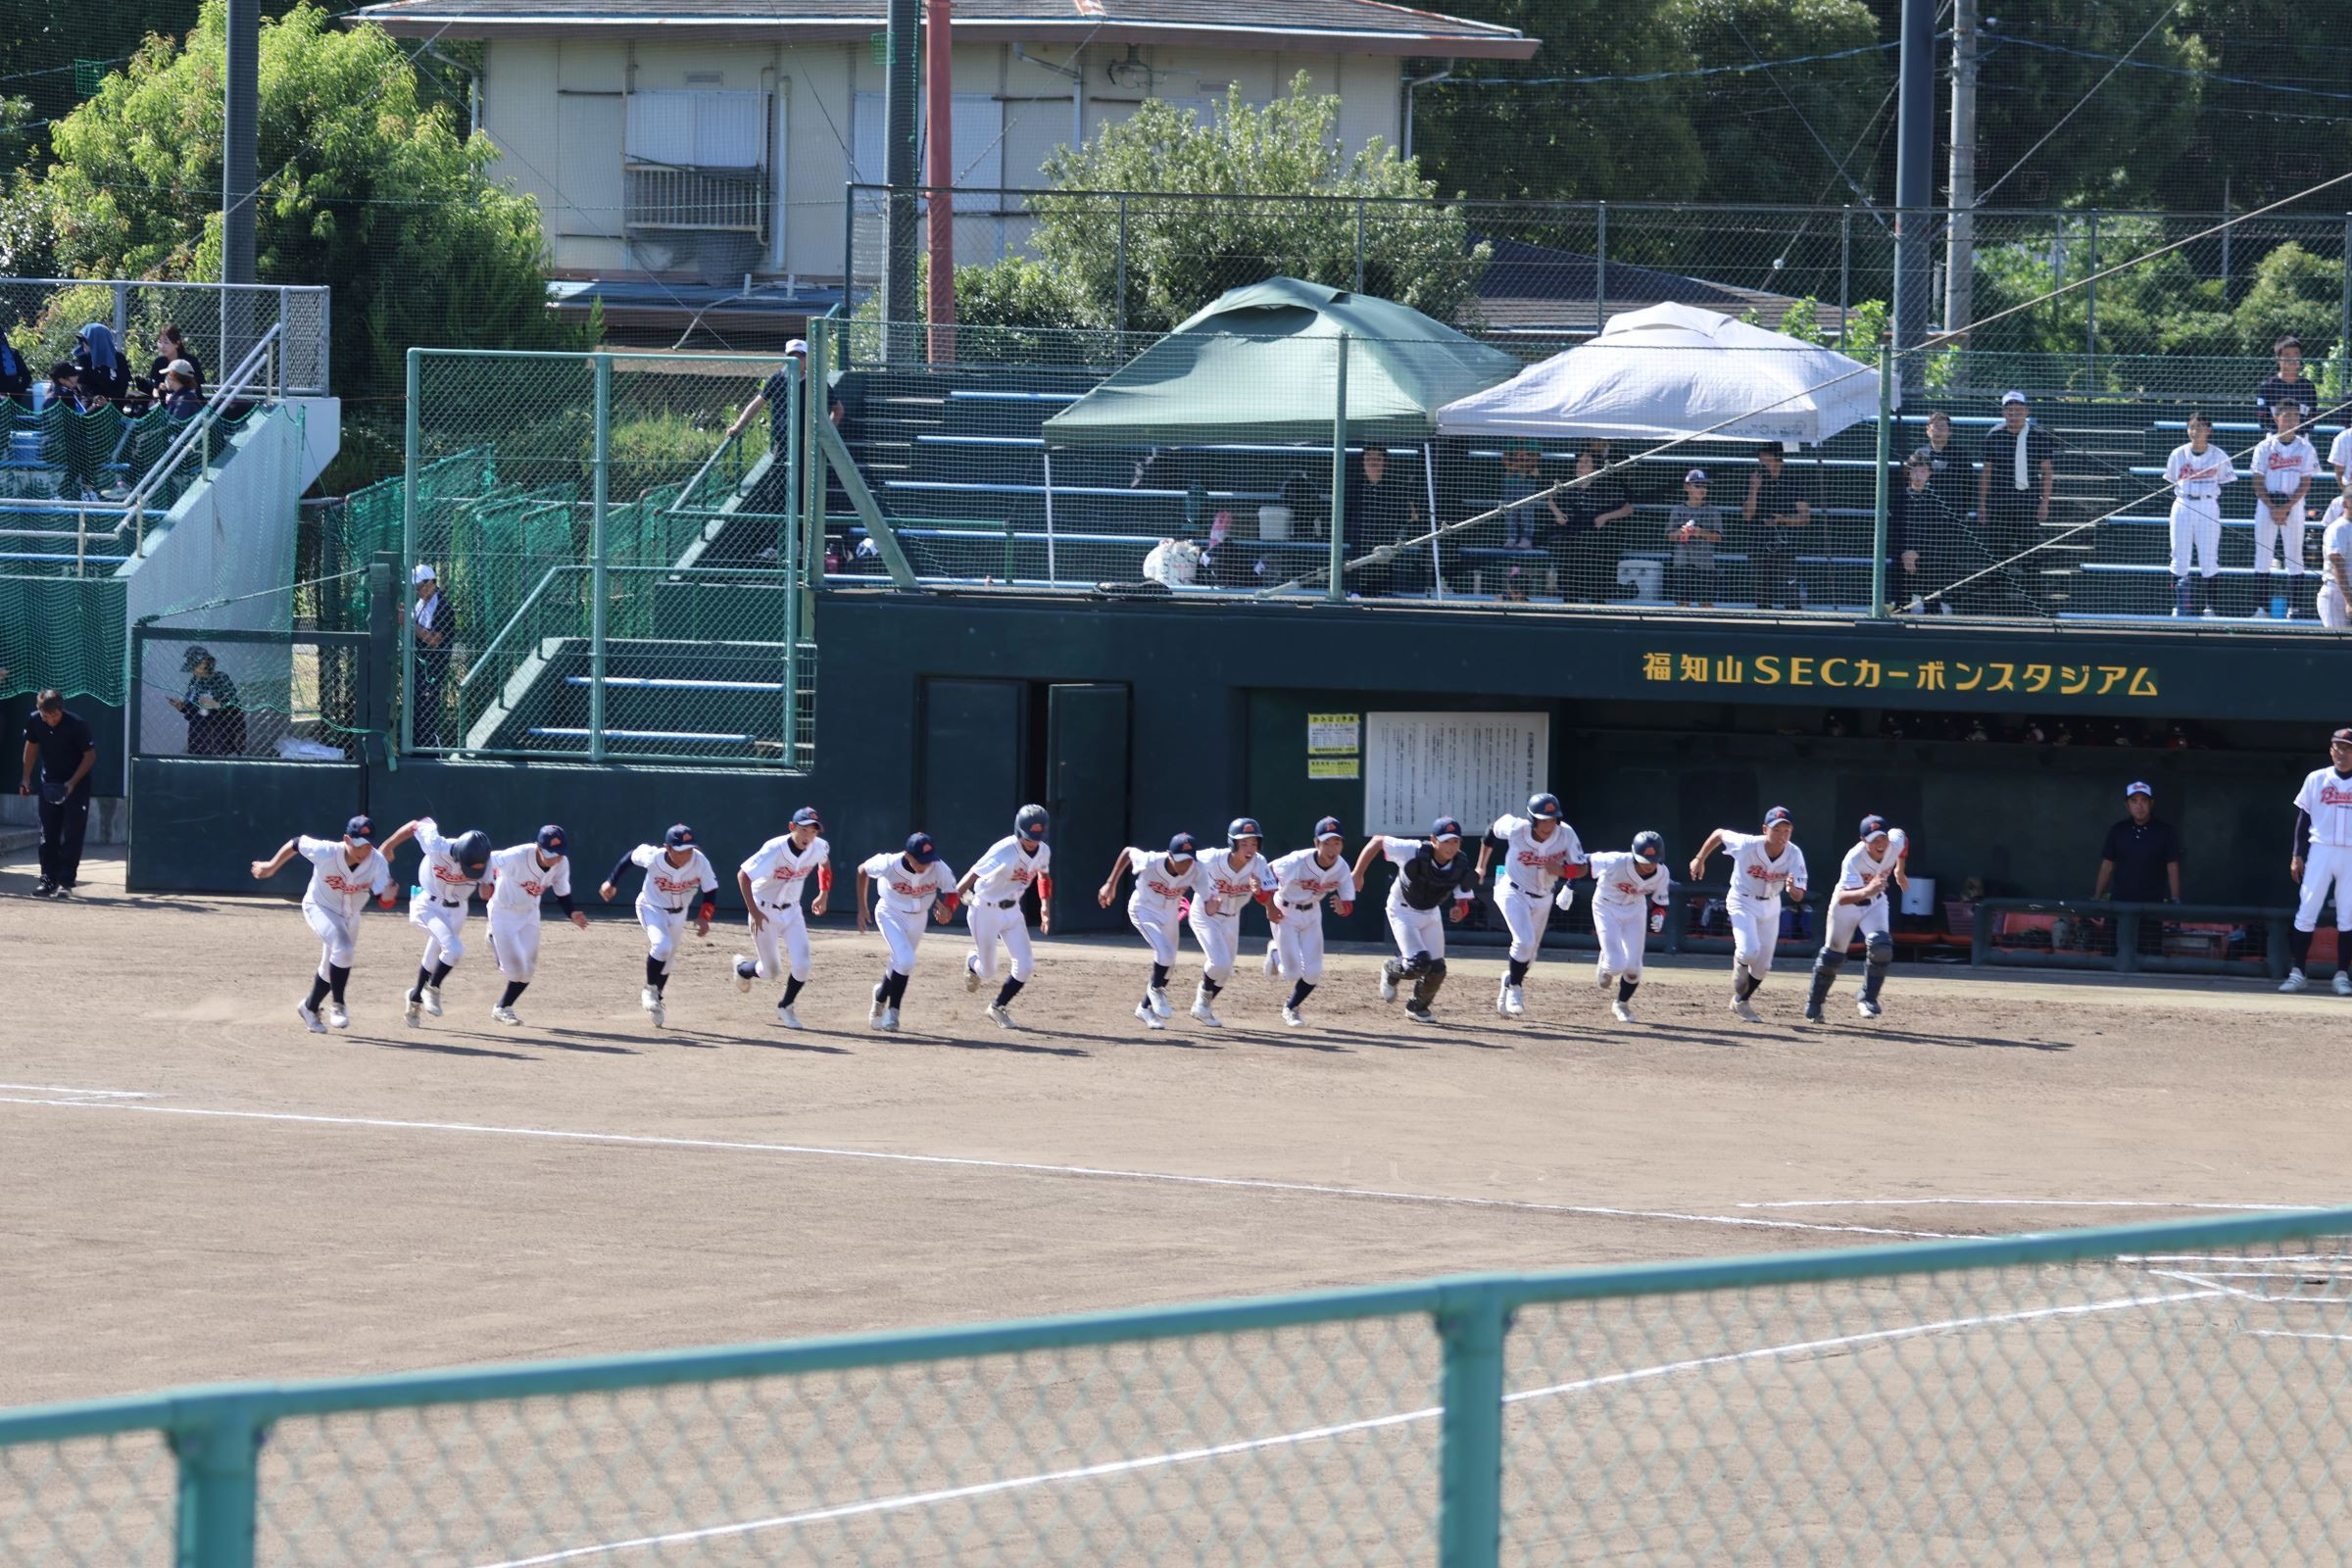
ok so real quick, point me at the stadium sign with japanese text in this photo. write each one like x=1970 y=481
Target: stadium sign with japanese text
x=1893 y=678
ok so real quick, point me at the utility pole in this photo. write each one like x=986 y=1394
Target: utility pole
x=898 y=87
x=939 y=92
x=240 y=134
x=1960 y=249
x=1913 y=149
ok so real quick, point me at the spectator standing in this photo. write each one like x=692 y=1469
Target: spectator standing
x=1381 y=510
x=2013 y=495
x=1693 y=528
x=2141 y=862
x=216 y=720
x=772 y=495
x=59 y=754
x=2287 y=384
x=1522 y=482
x=1948 y=468
x=436 y=633
x=1775 y=508
x=15 y=373
x=2282 y=467
x=172 y=348
x=1917 y=522
x=105 y=375
x=1581 y=516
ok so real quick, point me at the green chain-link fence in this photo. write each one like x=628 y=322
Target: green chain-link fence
x=2168 y=1393
x=205 y=688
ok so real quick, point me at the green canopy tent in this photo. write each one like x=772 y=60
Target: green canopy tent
x=1259 y=366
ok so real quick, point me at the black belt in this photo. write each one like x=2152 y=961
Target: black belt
x=672 y=908
x=1295 y=905
x=454 y=903
x=1526 y=892
x=1007 y=903
x=778 y=908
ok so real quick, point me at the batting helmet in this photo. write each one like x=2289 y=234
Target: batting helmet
x=1030 y=822
x=1649 y=847
x=1243 y=827
x=472 y=852
x=1544 y=808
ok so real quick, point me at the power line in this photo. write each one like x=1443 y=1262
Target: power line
x=2161 y=20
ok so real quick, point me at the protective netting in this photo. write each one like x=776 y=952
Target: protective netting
x=223 y=690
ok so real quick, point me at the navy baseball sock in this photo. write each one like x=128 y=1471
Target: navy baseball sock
x=515 y=988
x=896 y=988
x=1301 y=989
x=1160 y=977
x=339 y=977
x=424 y=977
x=748 y=968
x=792 y=990
x=1010 y=988
x=1209 y=987
x=2298 y=948
x=1739 y=985
x=653 y=974
x=1625 y=988
x=441 y=973
x=318 y=986
x=1518 y=971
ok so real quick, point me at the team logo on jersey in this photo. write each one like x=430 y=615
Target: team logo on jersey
x=2331 y=794
x=1762 y=874
x=342 y=884
x=443 y=873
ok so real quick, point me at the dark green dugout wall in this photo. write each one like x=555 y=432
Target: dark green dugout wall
x=1134 y=718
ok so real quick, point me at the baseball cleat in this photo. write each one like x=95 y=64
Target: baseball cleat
x=1419 y=1012
x=890 y=1019
x=1289 y=1017
x=503 y=1015
x=2343 y=983
x=412 y=1012
x=658 y=1013
x=2294 y=981
x=1387 y=984
x=1273 y=960
x=1868 y=1008
x=1742 y=1012
x=788 y=1018
x=1502 y=999
x=873 y=1014
x=743 y=980
x=1002 y=1015
x=1622 y=1014
x=1143 y=1010
x=1515 y=1002
x=1157 y=1000
x=1813 y=1014
x=431 y=998
x=648 y=997
x=1601 y=977
x=972 y=977
x=1205 y=1014
x=337 y=1017
x=309 y=1018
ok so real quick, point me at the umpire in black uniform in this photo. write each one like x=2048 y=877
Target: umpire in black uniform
x=59 y=754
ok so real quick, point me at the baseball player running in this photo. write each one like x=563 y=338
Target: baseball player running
x=2322 y=861
x=909 y=885
x=1540 y=849
x=2196 y=472
x=993 y=914
x=1428 y=871
x=344 y=873
x=1763 y=864
x=518 y=878
x=446 y=880
x=1859 y=906
x=1232 y=877
x=2335 y=554
x=1628 y=901
x=1303 y=880
x=1163 y=881
x=675 y=870
x=2283 y=466
x=772 y=882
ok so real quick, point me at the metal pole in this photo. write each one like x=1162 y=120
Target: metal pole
x=408 y=553
x=1915 y=145
x=899 y=86
x=2090 y=297
x=818 y=405
x=1878 y=511
x=1437 y=561
x=217 y=1484
x=1472 y=1323
x=939 y=89
x=1123 y=316
x=603 y=480
x=1051 y=575
x=1845 y=268
x=1960 y=247
x=2343 y=310
x=788 y=555
x=1339 y=476
x=239 y=135
x=1360 y=244
x=1600 y=269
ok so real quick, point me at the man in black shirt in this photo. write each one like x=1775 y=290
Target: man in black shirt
x=1579 y=530
x=2142 y=860
x=59 y=754
x=772 y=494
x=1775 y=508
x=2013 y=498
x=2288 y=385
x=1381 y=510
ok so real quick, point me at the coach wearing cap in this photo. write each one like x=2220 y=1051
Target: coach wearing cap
x=2142 y=860
x=2013 y=489
x=436 y=637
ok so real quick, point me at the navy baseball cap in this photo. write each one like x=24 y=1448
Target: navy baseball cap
x=1873 y=824
x=551 y=837
x=920 y=849
x=1180 y=848
x=2342 y=737
x=1443 y=828
x=361 y=828
x=1243 y=827
x=1328 y=829
x=807 y=816
x=678 y=837
x=1779 y=813
x=1544 y=808
x=1648 y=845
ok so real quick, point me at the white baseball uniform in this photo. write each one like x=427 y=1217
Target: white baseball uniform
x=1232 y=887
x=2327 y=798
x=1525 y=876
x=779 y=876
x=443 y=898
x=337 y=893
x=517 y=881
x=2279 y=469
x=1757 y=878
x=1301 y=885
x=2335 y=539
x=1415 y=931
x=665 y=898
x=1152 y=907
x=2340 y=451
x=903 y=896
x=1622 y=895
x=995 y=914
x=1849 y=921
x=2196 y=478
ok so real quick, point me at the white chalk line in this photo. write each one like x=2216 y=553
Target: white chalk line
x=2291 y=1334
x=1159 y=1461
x=82 y=1094
x=1029 y=1167
x=2019 y=1202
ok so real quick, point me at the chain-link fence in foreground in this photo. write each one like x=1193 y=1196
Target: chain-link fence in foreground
x=2166 y=1394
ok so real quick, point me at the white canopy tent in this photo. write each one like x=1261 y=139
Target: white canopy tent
x=1677 y=371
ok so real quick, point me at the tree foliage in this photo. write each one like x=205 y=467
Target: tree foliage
x=365 y=188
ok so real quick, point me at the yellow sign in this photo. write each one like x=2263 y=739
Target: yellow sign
x=1334 y=767
x=1331 y=734
x=1842 y=672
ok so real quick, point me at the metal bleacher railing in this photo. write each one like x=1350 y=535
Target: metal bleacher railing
x=2162 y=1393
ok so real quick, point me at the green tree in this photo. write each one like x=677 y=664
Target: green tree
x=1758 y=127
x=2295 y=291
x=365 y=188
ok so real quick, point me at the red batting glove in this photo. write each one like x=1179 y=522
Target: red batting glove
x=1346 y=906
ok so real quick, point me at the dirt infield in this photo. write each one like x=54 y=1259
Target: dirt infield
x=200 y=1190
